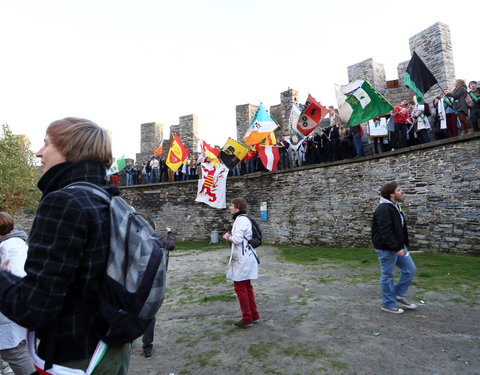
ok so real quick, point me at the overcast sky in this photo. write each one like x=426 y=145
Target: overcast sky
x=123 y=63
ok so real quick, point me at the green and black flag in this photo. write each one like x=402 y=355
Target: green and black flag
x=418 y=77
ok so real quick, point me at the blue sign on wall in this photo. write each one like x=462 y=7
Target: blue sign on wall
x=263 y=211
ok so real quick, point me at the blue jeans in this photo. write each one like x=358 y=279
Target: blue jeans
x=250 y=166
x=128 y=179
x=388 y=260
x=154 y=176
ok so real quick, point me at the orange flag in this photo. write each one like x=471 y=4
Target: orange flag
x=177 y=154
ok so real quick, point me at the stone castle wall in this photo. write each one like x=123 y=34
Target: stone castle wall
x=332 y=204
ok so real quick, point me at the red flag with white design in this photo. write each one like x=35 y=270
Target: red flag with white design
x=311 y=116
x=270 y=156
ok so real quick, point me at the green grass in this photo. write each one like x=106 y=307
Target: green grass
x=318 y=256
x=225 y=297
x=435 y=272
x=199 y=245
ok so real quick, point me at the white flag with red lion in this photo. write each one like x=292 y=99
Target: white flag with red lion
x=212 y=187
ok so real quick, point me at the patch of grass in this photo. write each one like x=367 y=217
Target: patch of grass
x=198 y=245
x=435 y=272
x=325 y=279
x=224 y=297
x=315 y=255
x=338 y=364
x=447 y=272
x=218 y=279
x=201 y=360
x=261 y=349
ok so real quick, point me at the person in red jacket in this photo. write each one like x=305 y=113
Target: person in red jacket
x=400 y=117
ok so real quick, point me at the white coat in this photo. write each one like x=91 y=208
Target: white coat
x=441 y=114
x=243 y=263
x=15 y=249
x=422 y=120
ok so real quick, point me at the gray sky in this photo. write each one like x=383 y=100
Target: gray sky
x=123 y=63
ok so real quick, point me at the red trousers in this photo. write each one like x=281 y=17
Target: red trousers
x=244 y=290
x=452 y=124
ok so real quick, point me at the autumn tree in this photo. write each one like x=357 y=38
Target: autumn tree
x=18 y=173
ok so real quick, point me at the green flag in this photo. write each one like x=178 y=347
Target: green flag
x=359 y=102
x=117 y=166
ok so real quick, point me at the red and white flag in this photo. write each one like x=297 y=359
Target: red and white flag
x=270 y=156
x=311 y=116
x=212 y=187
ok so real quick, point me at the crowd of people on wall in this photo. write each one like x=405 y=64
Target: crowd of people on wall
x=455 y=112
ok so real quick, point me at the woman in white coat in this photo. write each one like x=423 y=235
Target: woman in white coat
x=13 y=253
x=243 y=265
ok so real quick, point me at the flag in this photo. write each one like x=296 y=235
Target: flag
x=211 y=153
x=418 y=77
x=117 y=166
x=212 y=187
x=270 y=140
x=270 y=156
x=159 y=150
x=310 y=116
x=260 y=127
x=295 y=140
x=294 y=117
x=233 y=153
x=359 y=102
x=177 y=154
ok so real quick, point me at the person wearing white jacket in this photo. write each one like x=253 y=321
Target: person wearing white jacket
x=13 y=253
x=423 y=125
x=243 y=264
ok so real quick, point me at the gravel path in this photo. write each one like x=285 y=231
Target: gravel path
x=323 y=319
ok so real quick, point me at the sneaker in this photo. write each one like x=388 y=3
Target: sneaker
x=393 y=310
x=147 y=353
x=405 y=303
x=242 y=324
x=256 y=320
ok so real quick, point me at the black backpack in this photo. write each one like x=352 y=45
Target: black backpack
x=256 y=240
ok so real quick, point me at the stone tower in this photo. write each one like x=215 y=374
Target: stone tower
x=370 y=70
x=281 y=112
x=187 y=131
x=434 y=46
x=244 y=115
x=151 y=133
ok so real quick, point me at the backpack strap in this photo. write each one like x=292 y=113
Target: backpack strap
x=248 y=244
x=95 y=189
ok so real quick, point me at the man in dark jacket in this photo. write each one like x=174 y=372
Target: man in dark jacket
x=68 y=249
x=390 y=240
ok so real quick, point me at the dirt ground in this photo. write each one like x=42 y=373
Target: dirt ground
x=323 y=319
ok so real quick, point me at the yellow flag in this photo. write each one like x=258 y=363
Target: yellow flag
x=177 y=154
